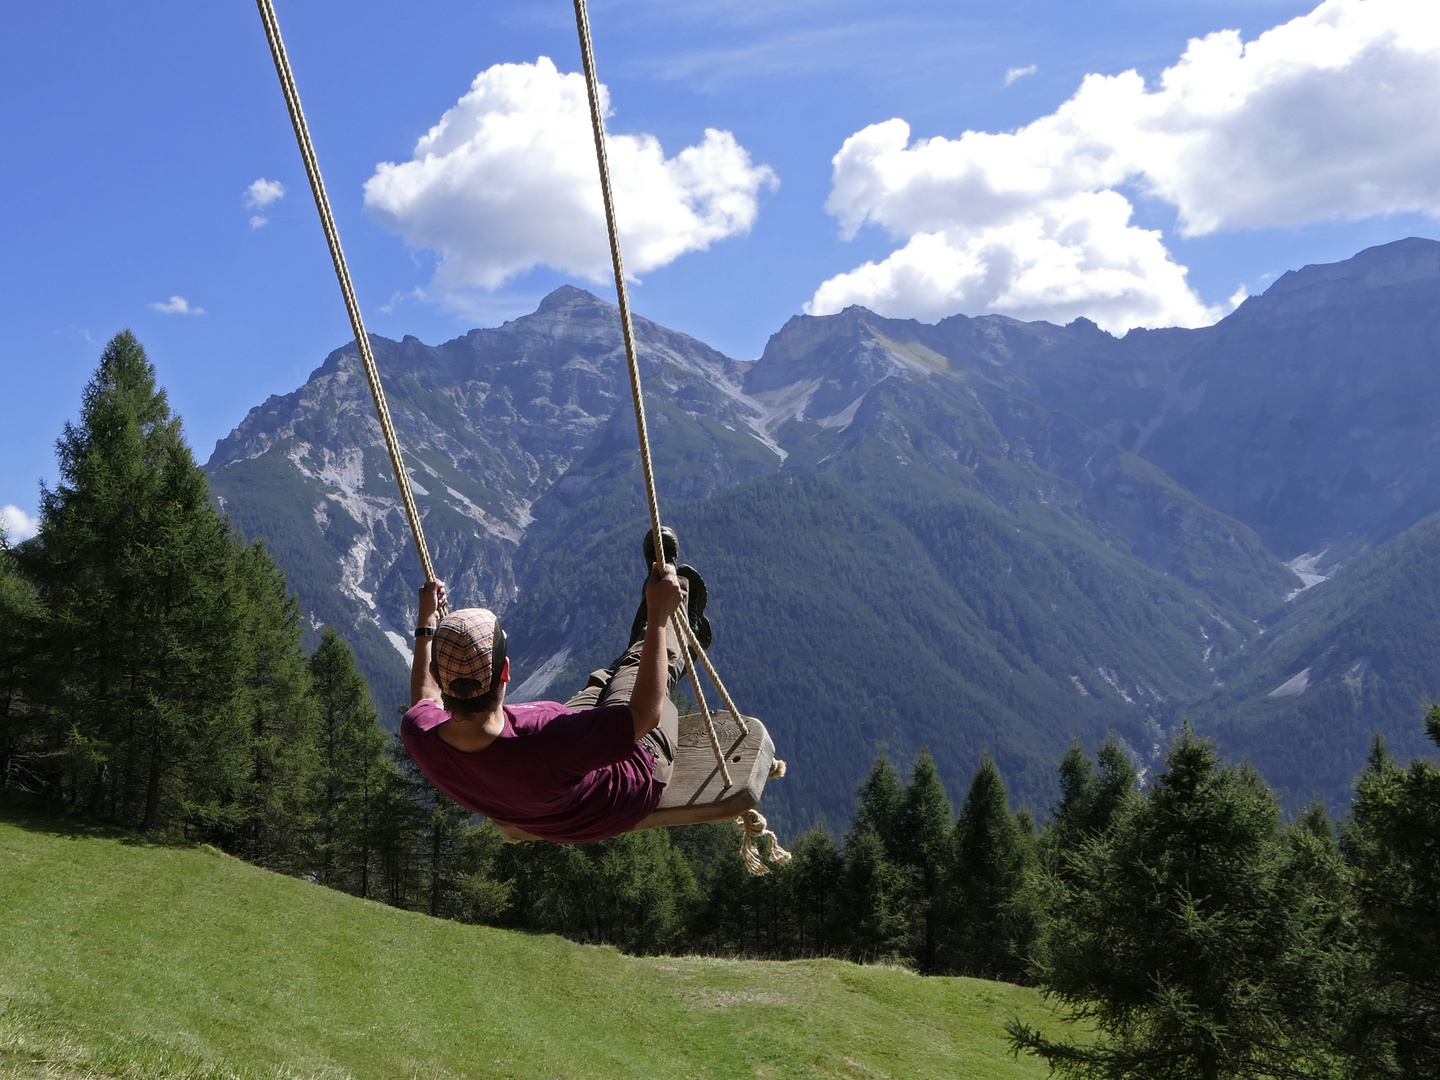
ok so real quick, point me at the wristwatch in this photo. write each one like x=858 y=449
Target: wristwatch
x=425 y=631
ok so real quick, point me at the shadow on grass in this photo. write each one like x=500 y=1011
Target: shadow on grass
x=77 y=827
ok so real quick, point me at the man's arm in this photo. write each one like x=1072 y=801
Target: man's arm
x=423 y=686
x=662 y=597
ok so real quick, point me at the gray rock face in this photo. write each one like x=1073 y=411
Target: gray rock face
x=1053 y=531
x=498 y=427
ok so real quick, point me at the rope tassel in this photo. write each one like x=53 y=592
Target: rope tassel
x=752 y=824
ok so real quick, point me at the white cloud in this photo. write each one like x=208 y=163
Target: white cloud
x=262 y=193
x=1334 y=115
x=1065 y=258
x=176 y=305
x=507 y=181
x=1011 y=74
x=258 y=222
x=18 y=525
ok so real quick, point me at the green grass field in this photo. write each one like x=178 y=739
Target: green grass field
x=122 y=959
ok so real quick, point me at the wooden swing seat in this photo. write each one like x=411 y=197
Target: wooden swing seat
x=696 y=793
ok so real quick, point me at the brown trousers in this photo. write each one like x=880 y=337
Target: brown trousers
x=615 y=684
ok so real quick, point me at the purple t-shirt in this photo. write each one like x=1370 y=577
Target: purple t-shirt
x=572 y=777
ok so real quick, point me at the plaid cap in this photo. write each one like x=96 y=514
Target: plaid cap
x=465 y=651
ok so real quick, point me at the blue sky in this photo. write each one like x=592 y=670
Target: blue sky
x=138 y=136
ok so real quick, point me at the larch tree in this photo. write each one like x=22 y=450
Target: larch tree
x=281 y=720
x=349 y=782
x=21 y=729
x=138 y=659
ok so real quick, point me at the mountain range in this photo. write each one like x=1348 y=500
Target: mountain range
x=980 y=535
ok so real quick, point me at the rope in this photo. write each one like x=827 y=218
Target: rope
x=700 y=700
x=627 y=331
x=342 y=274
x=752 y=824
x=688 y=635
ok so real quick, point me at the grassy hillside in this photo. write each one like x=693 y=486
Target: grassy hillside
x=118 y=958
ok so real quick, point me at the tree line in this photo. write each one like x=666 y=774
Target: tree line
x=152 y=674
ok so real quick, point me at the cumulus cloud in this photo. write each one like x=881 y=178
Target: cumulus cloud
x=1067 y=258
x=1333 y=115
x=1011 y=74
x=263 y=192
x=17 y=524
x=506 y=181
x=176 y=305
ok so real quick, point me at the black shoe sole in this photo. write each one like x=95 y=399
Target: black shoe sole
x=697 y=597
x=671 y=544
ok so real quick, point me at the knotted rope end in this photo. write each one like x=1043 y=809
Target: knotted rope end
x=752 y=824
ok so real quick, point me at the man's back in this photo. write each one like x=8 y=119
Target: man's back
x=572 y=777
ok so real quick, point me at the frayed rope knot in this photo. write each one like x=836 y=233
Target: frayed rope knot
x=777 y=769
x=752 y=824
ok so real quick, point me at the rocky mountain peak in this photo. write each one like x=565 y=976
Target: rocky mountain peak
x=1372 y=276
x=566 y=295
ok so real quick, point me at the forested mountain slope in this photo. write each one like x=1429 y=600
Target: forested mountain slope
x=977 y=534
x=1353 y=656
x=933 y=562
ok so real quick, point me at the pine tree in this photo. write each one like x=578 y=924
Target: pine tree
x=991 y=924
x=928 y=822
x=633 y=891
x=277 y=709
x=447 y=845
x=1393 y=842
x=350 y=786
x=473 y=889
x=21 y=729
x=878 y=897
x=139 y=656
x=1197 y=937
x=811 y=880
x=881 y=807
x=1088 y=802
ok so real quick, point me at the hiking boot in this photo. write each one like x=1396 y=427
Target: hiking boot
x=670 y=542
x=695 y=600
x=696 y=596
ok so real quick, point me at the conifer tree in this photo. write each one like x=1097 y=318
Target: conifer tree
x=21 y=731
x=279 y=713
x=878 y=897
x=448 y=848
x=1088 y=802
x=928 y=822
x=812 y=881
x=991 y=924
x=634 y=891
x=350 y=781
x=138 y=660
x=1393 y=841
x=881 y=807
x=1200 y=940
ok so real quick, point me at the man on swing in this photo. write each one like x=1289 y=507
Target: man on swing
x=586 y=770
